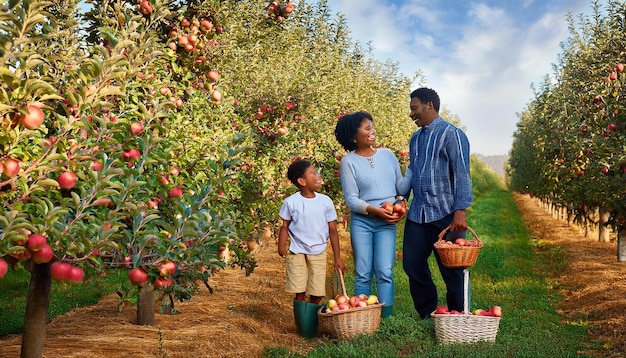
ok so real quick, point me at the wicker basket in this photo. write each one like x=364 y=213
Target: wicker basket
x=350 y=323
x=465 y=328
x=458 y=256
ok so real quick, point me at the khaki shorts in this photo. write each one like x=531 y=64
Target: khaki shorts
x=306 y=273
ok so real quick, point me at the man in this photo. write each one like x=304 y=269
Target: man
x=442 y=191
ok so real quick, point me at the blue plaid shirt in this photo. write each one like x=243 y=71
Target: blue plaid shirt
x=439 y=161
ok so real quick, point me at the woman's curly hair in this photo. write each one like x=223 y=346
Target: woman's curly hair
x=347 y=127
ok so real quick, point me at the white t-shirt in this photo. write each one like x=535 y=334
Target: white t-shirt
x=309 y=218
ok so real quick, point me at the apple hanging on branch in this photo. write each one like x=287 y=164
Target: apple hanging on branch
x=34 y=118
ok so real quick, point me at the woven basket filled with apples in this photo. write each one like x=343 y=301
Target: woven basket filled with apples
x=460 y=253
x=345 y=317
x=466 y=327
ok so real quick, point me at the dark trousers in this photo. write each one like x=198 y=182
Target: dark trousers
x=418 y=246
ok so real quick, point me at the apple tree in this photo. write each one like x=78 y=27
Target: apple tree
x=91 y=160
x=569 y=147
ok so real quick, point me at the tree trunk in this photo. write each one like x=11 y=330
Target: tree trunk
x=621 y=244
x=145 y=306
x=36 y=317
x=604 y=234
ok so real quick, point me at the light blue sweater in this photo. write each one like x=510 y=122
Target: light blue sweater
x=364 y=183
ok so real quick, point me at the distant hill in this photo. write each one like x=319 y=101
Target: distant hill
x=495 y=162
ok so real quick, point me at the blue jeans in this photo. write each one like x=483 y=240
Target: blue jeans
x=418 y=246
x=374 y=250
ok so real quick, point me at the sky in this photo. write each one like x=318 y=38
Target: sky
x=480 y=56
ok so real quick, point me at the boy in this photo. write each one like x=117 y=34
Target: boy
x=309 y=221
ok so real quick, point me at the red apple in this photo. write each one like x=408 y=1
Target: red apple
x=175 y=193
x=341 y=299
x=613 y=76
x=619 y=67
x=388 y=206
x=145 y=7
x=102 y=202
x=163 y=282
x=34 y=118
x=167 y=268
x=354 y=301
x=11 y=167
x=76 y=274
x=183 y=40
x=216 y=95
x=343 y=306
x=611 y=126
x=460 y=241
x=44 y=255
x=604 y=170
x=496 y=311
x=36 y=242
x=206 y=25
x=153 y=204
x=131 y=154
x=95 y=166
x=442 y=310
x=136 y=127
x=4 y=267
x=60 y=271
x=137 y=276
x=290 y=105
x=67 y=180
x=399 y=208
x=214 y=76
x=165 y=91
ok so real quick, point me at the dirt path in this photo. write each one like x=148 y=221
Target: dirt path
x=247 y=314
x=593 y=285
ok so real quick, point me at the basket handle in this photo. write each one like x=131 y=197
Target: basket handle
x=443 y=233
x=343 y=285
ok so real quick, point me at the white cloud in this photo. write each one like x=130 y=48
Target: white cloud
x=481 y=61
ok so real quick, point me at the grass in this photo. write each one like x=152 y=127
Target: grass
x=507 y=273
x=64 y=297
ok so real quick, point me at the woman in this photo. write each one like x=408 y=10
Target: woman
x=370 y=177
